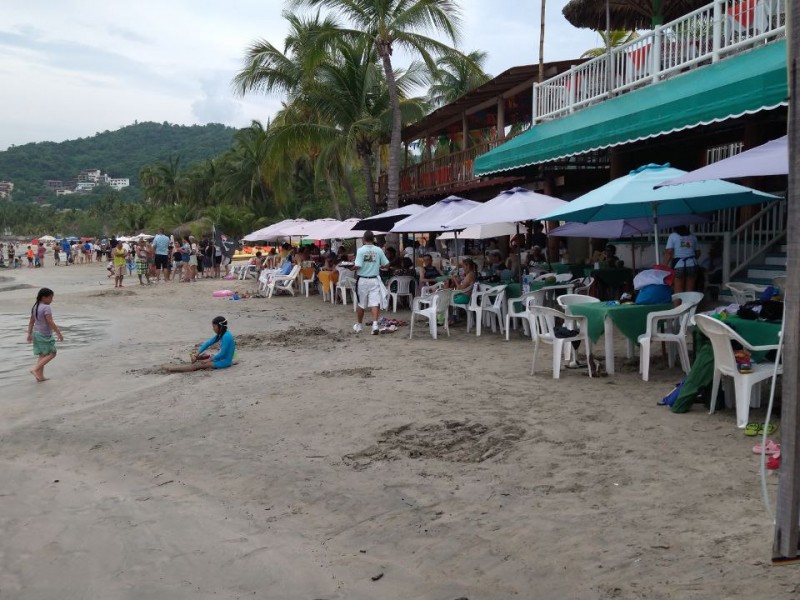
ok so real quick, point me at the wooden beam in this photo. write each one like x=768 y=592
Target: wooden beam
x=501 y=118
x=785 y=544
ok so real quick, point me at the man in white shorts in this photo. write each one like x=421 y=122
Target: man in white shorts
x=369 y=260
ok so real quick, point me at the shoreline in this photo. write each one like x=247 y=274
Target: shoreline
x=324 y=459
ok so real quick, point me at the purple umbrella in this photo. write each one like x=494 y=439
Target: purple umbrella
x=768 y=159
x=624 y=228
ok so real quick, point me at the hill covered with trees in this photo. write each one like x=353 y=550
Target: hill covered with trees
x=120 y=153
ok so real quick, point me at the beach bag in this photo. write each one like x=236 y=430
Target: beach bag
x=654 y=294
x=670 y=398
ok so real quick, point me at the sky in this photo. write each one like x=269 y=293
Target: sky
x=72 y=68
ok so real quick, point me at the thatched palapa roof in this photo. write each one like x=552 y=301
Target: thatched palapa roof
x=627 y=14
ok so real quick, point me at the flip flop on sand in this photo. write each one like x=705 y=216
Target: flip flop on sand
x=751 y=429
x=772 y=428
x=769 y=449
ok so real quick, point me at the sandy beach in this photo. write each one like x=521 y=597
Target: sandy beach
x=326 y=465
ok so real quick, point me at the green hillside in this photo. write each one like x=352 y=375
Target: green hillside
x=120 y=153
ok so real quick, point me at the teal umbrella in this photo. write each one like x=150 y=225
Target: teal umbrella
x=633 y=196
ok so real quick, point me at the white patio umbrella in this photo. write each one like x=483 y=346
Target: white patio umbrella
x=47 y=238
x=345 y=231
x=272 y=232
x=435 y=217
x=514 y=205
x=482 y=232
x=321 y=228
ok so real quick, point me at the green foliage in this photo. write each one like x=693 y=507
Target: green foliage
x=120 y=153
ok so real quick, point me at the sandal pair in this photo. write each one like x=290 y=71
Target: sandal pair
x=754 y=429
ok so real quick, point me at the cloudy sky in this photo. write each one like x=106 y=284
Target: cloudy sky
x=71 y=68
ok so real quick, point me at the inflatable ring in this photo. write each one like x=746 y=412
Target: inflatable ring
x=223 y=293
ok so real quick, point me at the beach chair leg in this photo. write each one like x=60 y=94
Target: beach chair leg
x=714 y=392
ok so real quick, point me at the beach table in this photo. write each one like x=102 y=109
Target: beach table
x=630 y=319
x=701 y=375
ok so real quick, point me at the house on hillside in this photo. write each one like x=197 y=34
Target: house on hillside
x=695 y=90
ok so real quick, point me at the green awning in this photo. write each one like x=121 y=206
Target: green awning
x=739 y=85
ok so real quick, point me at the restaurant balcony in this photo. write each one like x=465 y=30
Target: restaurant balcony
x=708 y=35
x=704 y=36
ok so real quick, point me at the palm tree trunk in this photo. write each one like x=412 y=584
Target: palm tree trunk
x=366 y=169
x=334 y=195
x=541 y=45
x=393 y=170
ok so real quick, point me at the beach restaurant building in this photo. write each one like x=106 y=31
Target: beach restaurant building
x=695 y=90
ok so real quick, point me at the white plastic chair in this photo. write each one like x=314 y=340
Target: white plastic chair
x=534 y=298
x=742 y=292
x=342 y=287
x=542 y=322
x=563 y=301
x=282 y=283
x=487 y=301
x=564 y=277
x=308 y=283
x=672 y=330
x=584 y=287
x=403 y=288
x=431 y=307
x=429 y=290
x=543 y=276
x=721 y=336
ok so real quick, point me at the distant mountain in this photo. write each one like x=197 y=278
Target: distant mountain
x=120 y=153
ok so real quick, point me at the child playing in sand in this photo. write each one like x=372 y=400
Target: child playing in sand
x=40 y=332
x=221 y=360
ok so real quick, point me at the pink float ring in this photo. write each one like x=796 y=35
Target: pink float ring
x=223 y=293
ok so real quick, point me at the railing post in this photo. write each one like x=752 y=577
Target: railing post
x=726 y=257
x=717 y=30
x=656 y=53
x=535 y=104
x=572 y=85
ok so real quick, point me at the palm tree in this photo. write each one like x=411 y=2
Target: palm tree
x=456 y=75
x=616 y=38
x=388 y=24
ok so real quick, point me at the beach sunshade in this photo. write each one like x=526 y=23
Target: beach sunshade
x=482 y=232
x=511 y=206
x=768 y=159
x=345 y=231
x=272 y=232
x=624 y=228
x=47 y=238
x=385 y=221
x=634 y=196
x=321 y=228
x=627 y=14
x=436 y=217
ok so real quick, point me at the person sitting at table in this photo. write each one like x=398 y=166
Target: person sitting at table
x=395 y=262
x=536 y=256
x=427 y=272
x=329 y=266
x=463 y=285
x=496 y=264
x=342 y=255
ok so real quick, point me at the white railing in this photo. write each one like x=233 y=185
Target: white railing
x=703 y=36
x=742 y=246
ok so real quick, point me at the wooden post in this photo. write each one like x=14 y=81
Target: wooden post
x=464 y=132
x=785 y=545
x=501 y=118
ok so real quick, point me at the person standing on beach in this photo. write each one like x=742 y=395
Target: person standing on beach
x=161 y=247
x=119 y=255
x=141 y=262
x=369 y=260
x=40 y=332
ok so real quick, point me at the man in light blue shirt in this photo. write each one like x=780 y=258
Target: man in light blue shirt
x=369 y=260
x=161 y=258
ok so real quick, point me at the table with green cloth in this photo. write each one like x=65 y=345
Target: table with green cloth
x=601 y=317
x=577 y=270
x=701 y=375
x=611 y=283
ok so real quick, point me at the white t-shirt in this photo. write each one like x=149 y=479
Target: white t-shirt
x=682 y=246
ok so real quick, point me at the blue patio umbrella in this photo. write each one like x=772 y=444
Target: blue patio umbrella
x=633 y=196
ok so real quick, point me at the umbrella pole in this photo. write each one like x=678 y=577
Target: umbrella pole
x=519 y=255
x=655 y=228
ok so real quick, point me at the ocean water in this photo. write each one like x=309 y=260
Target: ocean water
x=16 y=354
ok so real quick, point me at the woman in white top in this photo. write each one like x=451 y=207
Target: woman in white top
x=681 y=255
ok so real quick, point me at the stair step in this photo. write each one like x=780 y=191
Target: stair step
x=776 y=258
x=766 y=271
x=784 y=248
x=760 y=281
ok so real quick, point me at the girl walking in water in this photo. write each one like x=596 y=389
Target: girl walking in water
x=40 y=332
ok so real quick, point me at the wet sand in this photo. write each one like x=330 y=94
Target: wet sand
x=333 y=466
